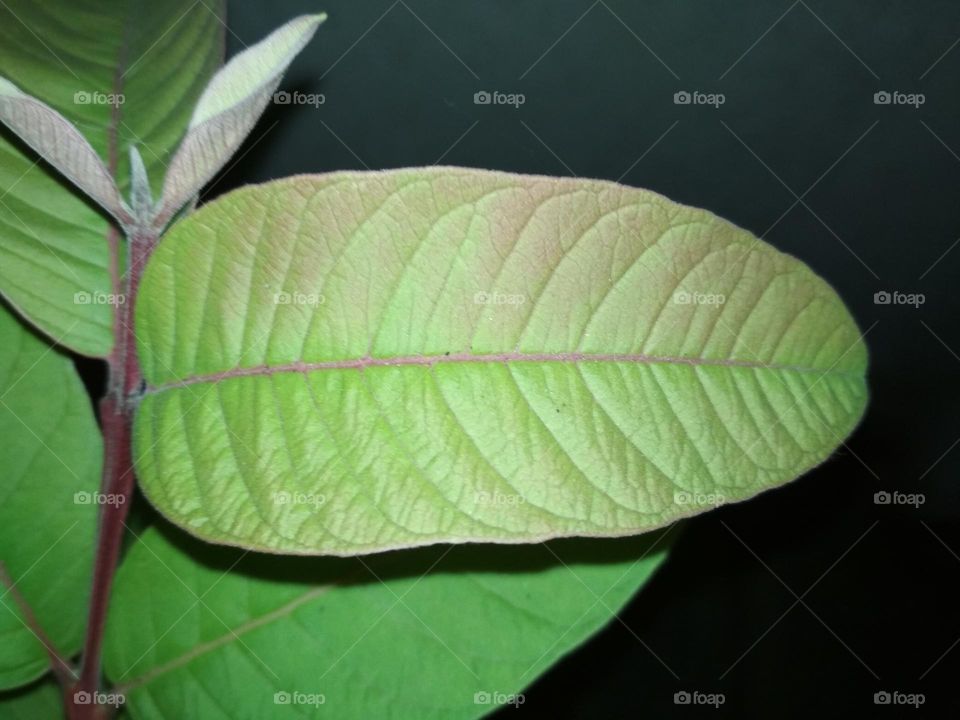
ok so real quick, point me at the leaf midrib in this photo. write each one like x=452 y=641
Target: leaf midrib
x=502 y=358
x=234 y=634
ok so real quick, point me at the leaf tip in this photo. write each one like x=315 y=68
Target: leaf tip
x=307 y=24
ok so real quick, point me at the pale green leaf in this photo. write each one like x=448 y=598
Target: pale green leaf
x=357 y=362
x=229 y=108
x=209 y=632
x=49 y=471
x=124 y=73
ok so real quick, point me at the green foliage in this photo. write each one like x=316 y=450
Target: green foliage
x=404 y=635
x=124 y=73
x=50 y=459
x=36 y=702
x=501 y=367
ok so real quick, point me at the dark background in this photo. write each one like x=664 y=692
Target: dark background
x=808 y=600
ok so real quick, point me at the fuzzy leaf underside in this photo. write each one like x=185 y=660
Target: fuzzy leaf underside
x=357 y=362
x=61 y=144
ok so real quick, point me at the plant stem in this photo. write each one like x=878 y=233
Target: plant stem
x=116 y=417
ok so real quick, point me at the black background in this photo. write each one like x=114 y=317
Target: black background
x=807 y=600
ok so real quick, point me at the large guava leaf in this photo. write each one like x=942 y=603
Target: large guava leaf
x=124 y=72
x=203 y=631
x=49 y=475
x=356 y=362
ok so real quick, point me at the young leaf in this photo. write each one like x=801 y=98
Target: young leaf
x=140 y=198
x=228 y=109
x=58 y=142
x=408 y=636
x=49 y=474
x=123 y=74
x=356 y=362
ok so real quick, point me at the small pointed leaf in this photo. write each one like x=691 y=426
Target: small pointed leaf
x=58 y=142
x=140 y=198
x=229 y=108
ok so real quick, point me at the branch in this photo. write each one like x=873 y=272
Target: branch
x=116 y=417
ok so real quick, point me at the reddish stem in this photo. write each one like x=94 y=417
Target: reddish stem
x=116 y=417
